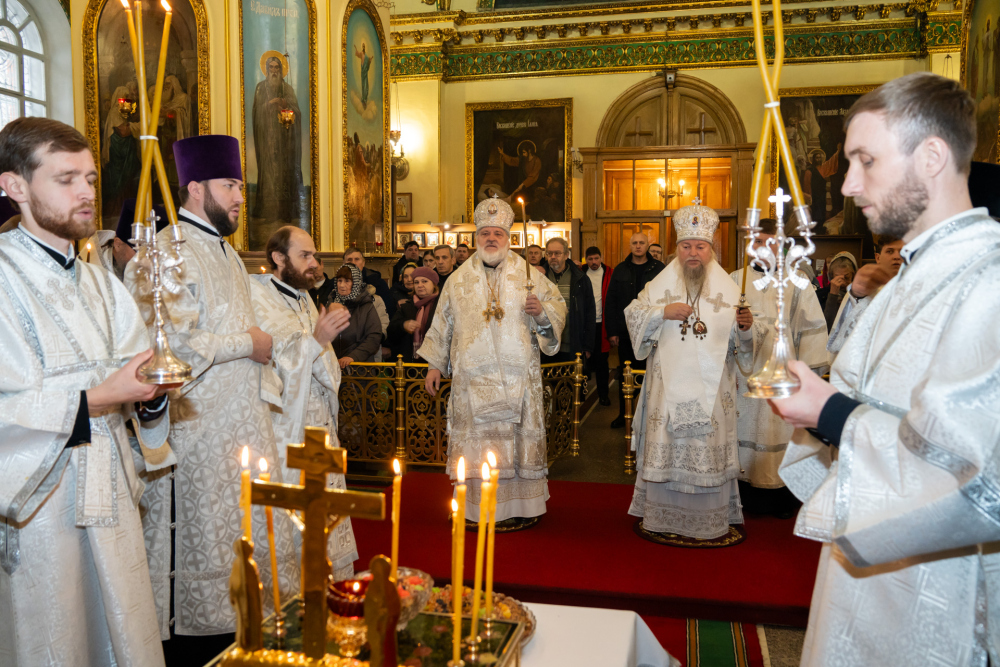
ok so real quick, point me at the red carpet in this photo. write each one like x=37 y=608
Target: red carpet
x=584 y=553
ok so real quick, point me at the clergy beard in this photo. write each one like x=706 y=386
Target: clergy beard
x=493 y=257
x=694 y=279
x=292 y=277
x=906 y=202
x=218 y=216
x=65 y=227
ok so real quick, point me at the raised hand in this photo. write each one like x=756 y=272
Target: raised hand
x=331 y=322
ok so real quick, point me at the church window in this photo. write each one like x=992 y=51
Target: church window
x=22 y=64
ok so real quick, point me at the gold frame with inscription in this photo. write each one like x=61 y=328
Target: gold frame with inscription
x=387 y=199
x=92 y=113
x=470 y=110
x=313 y=125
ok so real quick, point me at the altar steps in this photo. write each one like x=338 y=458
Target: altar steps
x=585 y=553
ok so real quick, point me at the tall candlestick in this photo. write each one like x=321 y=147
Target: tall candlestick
x=494 y=484
x=484 y=503
x=397 y=486
x=245 y=493
x=265 y=476
x=457 y=587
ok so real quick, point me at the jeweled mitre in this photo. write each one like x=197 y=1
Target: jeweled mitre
x=493 y=212
x=695 y=222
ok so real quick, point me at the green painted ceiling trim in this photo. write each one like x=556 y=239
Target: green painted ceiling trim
x=688 y=49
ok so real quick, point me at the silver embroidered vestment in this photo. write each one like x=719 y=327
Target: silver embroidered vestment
x=74 y=586
x=684 y=429
x=213 y=417
x=310 y=380
x=915 y=485
x=496 y=400
x=762 y=434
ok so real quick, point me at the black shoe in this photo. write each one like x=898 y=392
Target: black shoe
x=619 y=422
x=604 y=401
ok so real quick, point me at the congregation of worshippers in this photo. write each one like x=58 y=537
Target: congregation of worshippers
x=119 y=497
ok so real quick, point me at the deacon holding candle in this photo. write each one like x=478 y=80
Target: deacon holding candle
x=490 y=329
x=211 y=325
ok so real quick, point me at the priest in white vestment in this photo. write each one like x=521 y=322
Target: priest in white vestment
x=684 y=430
x=194 y=510
x=763 y=435
x=304 y=361
x=486 y=335
x=905 y=491
x=74 y=585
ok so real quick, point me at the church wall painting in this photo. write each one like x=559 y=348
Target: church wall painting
x=520 y=149
x=814 y=123
x=111 y=92
x=278 y=89
x=367 y=198
x=980 y=60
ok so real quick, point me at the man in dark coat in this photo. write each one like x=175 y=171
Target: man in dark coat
x=574 y=286
x=627 y=280
x=411 y=253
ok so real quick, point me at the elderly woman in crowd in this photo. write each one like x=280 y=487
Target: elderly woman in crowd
x=413 y=318
x=362 y=339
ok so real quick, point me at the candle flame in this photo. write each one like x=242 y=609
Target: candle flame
x=395 y=467
x=491 y=457
x=520 y=200
x=245 y=458
x=454 y=505
x=356 y=587
x=262 y=464
x=486 y=471
x=166 y=6
x=460 y=473
x=263 y=270
x=88 y=246
x=125 y=4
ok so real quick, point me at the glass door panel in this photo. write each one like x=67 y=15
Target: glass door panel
x=649 y=174
x=618 y=185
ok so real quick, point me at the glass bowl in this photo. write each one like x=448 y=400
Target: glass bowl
x=414 y=591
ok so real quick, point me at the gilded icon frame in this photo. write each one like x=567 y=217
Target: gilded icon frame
x=566 y=170
x=91 y=93
x=967 y=16
x=387 y=199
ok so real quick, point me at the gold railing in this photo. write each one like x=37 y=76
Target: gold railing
x=630 y=382
x=386 y=413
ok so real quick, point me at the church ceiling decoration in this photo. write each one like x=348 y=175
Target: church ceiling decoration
x=815 y=34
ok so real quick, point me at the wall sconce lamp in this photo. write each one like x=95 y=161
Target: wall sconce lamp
x=576 y=159
x=401 y=168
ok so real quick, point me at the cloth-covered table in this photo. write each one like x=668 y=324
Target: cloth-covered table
x=585 y=637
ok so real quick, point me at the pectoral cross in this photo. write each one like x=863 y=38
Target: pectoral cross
x=317 y=502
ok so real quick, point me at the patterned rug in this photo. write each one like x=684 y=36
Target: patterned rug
x=735 y=535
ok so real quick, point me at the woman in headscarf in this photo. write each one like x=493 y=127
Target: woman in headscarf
x=403 y=290
x=363 y=336
x=843 y=266
x=413 y=318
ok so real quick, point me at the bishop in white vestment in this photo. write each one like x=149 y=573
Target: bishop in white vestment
x=74 y=585
x=211 y=325
x=763 y=435
x=305 y=363
x=905 y=491
x=486 y=335
x=684 y=430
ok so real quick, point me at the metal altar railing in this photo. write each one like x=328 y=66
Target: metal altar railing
x=386 y=413
x=631 y=381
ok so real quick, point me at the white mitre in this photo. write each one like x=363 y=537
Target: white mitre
x=494 y=212
x=696 y=222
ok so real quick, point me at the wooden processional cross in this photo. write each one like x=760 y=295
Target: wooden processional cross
x=317 y=459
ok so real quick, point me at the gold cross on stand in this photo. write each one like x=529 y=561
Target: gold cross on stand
x=316 y=459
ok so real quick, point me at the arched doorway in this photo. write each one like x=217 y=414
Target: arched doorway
x=663 y=143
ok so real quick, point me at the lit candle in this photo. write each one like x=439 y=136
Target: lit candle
x=484 y=503
x=245 y=493
x=494 y=485
x=458 y=566
x=265 y=476
x=397 y=486
x=524 y=215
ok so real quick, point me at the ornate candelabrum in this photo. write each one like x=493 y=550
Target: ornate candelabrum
x=780 y=257
x=159 y=268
